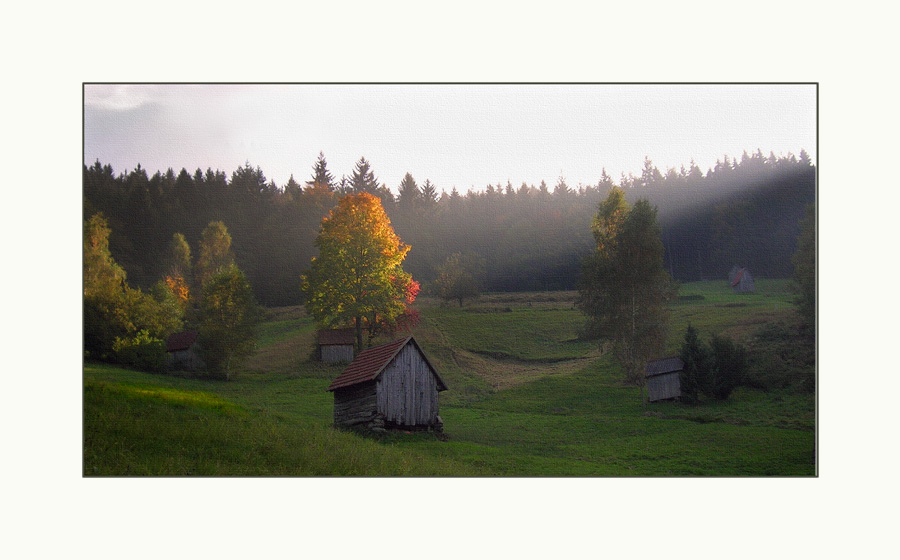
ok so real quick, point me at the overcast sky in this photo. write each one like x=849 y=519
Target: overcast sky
x=455 y=135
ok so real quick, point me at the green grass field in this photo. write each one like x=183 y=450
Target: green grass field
x=526 y=398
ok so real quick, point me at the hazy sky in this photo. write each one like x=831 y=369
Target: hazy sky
x=455 y=135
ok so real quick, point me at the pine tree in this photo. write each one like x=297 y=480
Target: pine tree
x=429 y=194
x=696 y=366
x=729 y=363
x=292 y=188
x=363 y=180
x=408 y=193
x=321 y=176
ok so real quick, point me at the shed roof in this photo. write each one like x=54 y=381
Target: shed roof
x=661 y=366
x=337 y=337
x=181 y=341
x=369 y=364
x=738 y=276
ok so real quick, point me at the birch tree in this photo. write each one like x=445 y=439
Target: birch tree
x=624 y=287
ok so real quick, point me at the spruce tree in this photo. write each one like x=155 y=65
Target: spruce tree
x=363 y=179
x=729 y=362
x=408 y=193
x=321 y=176
x=696 y=366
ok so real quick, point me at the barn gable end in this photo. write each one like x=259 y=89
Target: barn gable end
x=182 y=352
x=741 y=280
x=664 y=378
x=407 y=390
x=336 y=345
x=389 y=385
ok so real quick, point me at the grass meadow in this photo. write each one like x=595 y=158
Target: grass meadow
x=526 y=398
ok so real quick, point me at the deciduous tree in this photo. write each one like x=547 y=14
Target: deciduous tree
x=228 y=320
x=112 y=310
x=357 y=277
x=624 y=287
x=215 y=251
x=102 y=276
x=456 y=278
x=179 y=257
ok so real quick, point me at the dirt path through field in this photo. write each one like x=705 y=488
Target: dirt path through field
x=502 y=374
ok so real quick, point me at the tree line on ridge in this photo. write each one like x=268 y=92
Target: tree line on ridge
x=744 y=211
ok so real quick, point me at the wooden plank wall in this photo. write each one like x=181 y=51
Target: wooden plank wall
x=355 y=405
x=407 y=390
x=666 y=386
x=333 y=353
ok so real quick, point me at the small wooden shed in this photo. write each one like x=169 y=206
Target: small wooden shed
x=336 y=345
x=181 y=352
x=389 y=386
x=741 y=280
x=664 y=378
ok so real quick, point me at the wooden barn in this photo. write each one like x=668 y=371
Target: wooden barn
x=336 y=345
x=663 y=378
x=741 y=280
x=181 y=352
x=389 y=386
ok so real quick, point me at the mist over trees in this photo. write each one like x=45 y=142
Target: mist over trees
x=744 y=211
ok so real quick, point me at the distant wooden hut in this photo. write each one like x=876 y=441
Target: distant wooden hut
x=181 y=352
x=389 y=386
x=663 y=378
x=336 y=345
x=741 y=280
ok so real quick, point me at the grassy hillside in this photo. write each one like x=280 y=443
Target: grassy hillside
x=526 y=398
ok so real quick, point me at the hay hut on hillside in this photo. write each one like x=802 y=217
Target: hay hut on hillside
x=741 y=280
x=664 y=378
x=389 y=386
x=182 y=352
x=336 y=345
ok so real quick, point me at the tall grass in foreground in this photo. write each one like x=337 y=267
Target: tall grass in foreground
x=132 y=430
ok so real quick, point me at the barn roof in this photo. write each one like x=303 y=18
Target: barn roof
x=738 y=276
x=337 y=337
x=181 y=341
x=369 y=364
x=664 y=365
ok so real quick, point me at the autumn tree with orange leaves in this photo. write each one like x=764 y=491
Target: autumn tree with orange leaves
x=357 y=278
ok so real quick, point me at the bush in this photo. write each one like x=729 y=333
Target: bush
x=695 y=356
x=141 y=352
x=714 y=370
x=729 y=364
